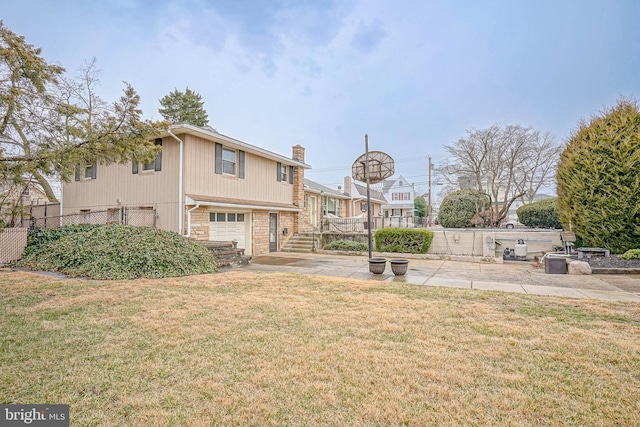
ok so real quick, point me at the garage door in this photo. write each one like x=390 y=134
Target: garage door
x=227 y=226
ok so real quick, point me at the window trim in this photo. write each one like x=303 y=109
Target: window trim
x=226 y=162
x=81 y=172
x=238 y=163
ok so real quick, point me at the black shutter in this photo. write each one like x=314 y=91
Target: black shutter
x=218 y=167
x=94 y=170
x=279 y=167
x=290 y=174
x=158 y=162
x=134 y=167
x=240 y=164
x=77 y=178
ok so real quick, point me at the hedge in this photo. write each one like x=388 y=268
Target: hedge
x=403 y=240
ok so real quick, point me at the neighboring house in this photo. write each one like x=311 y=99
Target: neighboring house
x=320 y=201
x=400 y=197
x=358 y=199
x=206 y=186
x=16 y=201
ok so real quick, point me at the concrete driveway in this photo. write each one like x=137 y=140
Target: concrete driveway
x=516 y=276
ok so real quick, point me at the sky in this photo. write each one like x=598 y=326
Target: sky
x=413 y=75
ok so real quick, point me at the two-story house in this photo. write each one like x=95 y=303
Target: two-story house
x=400 y=197
x=203 y=185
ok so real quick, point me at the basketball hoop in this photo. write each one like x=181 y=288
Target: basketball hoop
x=380 y=166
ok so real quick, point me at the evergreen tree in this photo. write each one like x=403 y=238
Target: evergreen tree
x=599 y=180
x=420 y=207
x=184 y=107
x=49 y=124
x=459 y=207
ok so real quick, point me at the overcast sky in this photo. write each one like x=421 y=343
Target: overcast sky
x=414 y=75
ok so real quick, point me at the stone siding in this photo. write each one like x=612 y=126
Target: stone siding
x=199 y=224
x=260 y=232
x=301 y=221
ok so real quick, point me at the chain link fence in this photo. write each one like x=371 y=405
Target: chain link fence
x=138 y=217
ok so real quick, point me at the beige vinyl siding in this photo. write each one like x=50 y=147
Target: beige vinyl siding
x=146 y=188
x=259 y=183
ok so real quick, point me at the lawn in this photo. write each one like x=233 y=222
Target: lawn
x=240 y=348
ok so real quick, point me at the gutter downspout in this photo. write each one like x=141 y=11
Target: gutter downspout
x=180 y=195
x=189 y=219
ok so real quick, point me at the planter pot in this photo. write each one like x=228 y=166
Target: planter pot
x=399 y=266
x=377 y=265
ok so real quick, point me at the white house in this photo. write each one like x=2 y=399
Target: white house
x=400 y=197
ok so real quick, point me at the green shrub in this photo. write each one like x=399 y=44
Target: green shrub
x=346 y=245
x=40 y=236
x=542 y=214
x=403 y=240
x=119 y=252
x=632 y=254
x=459 y=207
x=598 y=180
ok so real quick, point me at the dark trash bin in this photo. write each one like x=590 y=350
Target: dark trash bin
x=555 y=266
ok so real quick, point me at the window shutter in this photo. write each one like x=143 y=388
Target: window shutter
x=94 y=170
x=218 y=166
x=290 y=174
x=77 y=178
x=278 y=168
x=134 y=167
x=240 y=164
x=158 y=162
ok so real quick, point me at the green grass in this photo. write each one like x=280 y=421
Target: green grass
x=241 y=348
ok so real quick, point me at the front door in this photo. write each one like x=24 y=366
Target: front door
x=273 y=232
x=314 y=213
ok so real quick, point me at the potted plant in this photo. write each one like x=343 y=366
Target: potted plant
x=377 y=265
x=399 y=266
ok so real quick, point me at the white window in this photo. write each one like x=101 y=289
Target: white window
x=228 y=161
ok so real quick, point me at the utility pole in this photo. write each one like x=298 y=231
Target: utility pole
x=429 y=195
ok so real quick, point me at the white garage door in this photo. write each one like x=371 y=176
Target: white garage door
x=227 y=226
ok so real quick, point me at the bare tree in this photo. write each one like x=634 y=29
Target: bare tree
x=505 y=162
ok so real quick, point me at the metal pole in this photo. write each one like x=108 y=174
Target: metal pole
x=321 y=211
x=366 y=176
x=429 y=196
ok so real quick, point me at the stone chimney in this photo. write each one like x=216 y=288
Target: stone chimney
x=301 y=220
x=297 y=153
x=347 y=185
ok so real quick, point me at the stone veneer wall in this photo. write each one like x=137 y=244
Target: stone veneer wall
x=301 y=221
x=286 y=220
x=199 y=223
x=260 y=230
